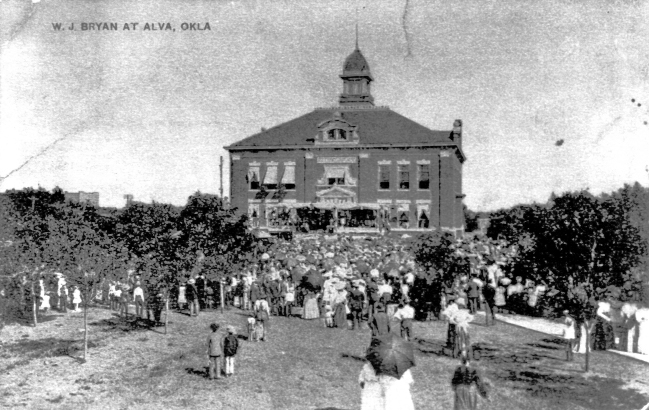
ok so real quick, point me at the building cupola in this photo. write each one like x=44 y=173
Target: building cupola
x=356 y=81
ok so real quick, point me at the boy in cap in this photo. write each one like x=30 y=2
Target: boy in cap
x=230 y=347
x=214 y=352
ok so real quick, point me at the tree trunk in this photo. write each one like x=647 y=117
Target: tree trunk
x=85 y=327
x=166 y=311
x=587 y=345
x=35 y=311
x=221 y=294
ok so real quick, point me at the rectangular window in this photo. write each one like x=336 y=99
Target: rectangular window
x=253 y=178
x=404 y=216
x=270 y=179
x=424 y=176
x=288 y=179
x=404 y=177
x=335 y=175
x=423 y=221
x=384 y=177
x=253 y=214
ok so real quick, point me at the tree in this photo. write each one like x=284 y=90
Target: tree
x=471 y=219
x=588 y=246
x=80 y=249
x=150 y=233
x=442 y=266
x=210 y=227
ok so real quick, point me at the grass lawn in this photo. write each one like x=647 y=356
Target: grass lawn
x=302 y=366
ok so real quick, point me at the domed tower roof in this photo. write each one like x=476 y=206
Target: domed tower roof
x=356 y=63
x=356 y=81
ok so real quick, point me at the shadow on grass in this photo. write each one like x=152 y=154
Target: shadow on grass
x=27 y=319
x=126 y=325
x=204 y=372
x=48 y=347
x=353 y=356
x=330 y=408
x=430 y=347
x=550 y=344
x=525 y=367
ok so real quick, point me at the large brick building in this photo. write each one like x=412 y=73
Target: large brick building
x=356 y=166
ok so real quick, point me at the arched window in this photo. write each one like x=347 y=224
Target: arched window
x=336 y=134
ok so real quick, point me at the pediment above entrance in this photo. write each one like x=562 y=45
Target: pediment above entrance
x=336 y=192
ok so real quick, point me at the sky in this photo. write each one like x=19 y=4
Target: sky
x=553 y=94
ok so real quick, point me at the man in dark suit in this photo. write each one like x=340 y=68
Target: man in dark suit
x=473 y=295
x=380 y=324
x=200 y=290
x=356 y=299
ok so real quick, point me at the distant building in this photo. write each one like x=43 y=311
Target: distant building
x=355 y=166
x=129 y=199
x=87 y=197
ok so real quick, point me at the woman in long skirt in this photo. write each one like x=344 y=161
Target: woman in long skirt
x=604 y=338
x=182 y=300
x=371 y=391
x=467 y=384
x=311 y=310
x=340 y=308
x=384 y=392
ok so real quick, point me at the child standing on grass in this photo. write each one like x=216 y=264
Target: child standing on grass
x=569 y=334
x=111 y=296
x=76 y=299
x=329 y=317
x=230 y=347
x=45 y=303
x=214 y=352
x=252 y=334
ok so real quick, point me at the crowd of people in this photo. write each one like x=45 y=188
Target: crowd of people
x=352 y=284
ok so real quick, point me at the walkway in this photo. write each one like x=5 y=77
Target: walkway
x=552 y=328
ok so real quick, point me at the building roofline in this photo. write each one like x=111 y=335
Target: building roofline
x=231 y=148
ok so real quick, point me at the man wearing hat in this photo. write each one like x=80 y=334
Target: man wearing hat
x=380 y=324
x=214 y=352
x=192 y=297
x=138 y=297
x=356 y=301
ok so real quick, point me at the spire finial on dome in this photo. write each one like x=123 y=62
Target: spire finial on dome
x=357 y=35
x=356 y=26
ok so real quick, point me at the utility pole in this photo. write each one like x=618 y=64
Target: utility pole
x=34 y=199
x=221 y=176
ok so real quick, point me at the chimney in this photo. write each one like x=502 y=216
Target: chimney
x=457 y=132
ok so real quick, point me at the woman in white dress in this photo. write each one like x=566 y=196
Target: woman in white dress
x=182 y=299
x=311 y=310
x=397 y=392
x=642 y=317
x=371 y=391
x=385 y=392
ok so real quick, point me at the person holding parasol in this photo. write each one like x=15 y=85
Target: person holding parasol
x=386 y=379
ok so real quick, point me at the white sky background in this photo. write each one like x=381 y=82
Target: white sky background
x=147 y=113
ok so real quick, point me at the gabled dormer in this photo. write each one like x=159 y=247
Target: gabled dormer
x=336 y=131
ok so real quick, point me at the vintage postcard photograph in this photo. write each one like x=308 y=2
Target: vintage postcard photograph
x=324 y=205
